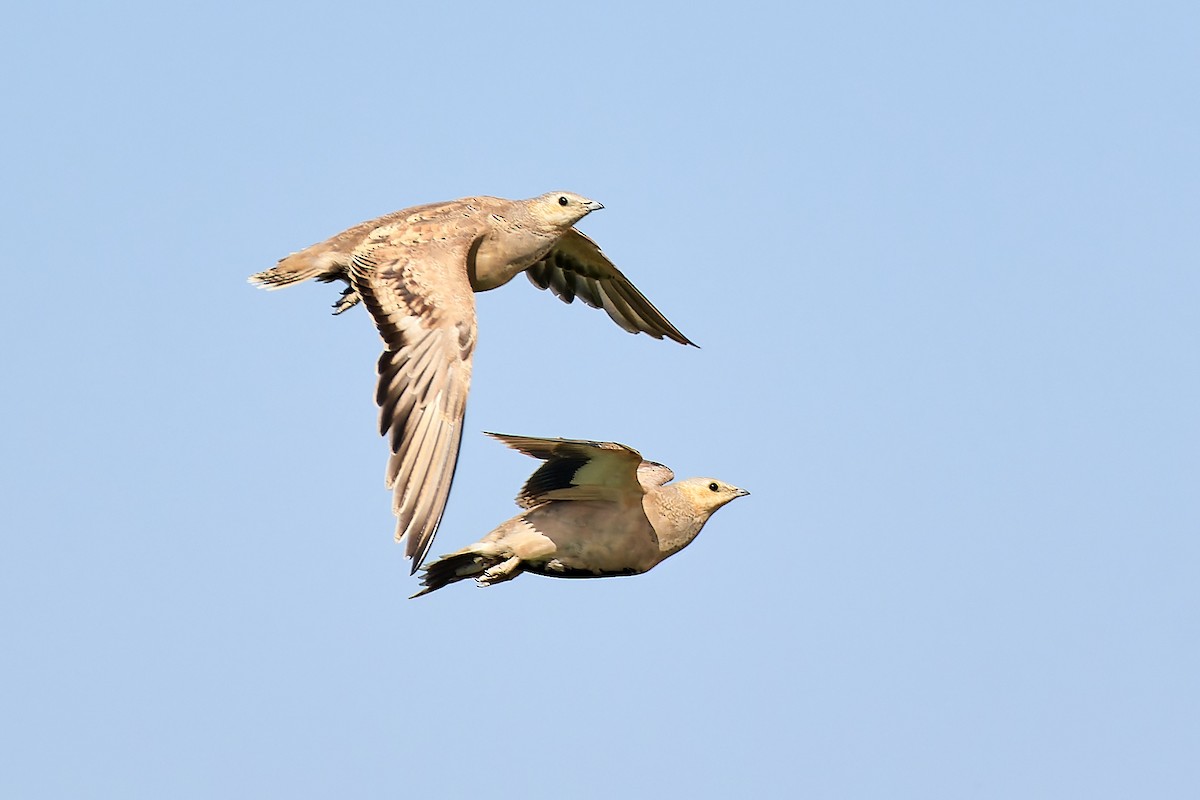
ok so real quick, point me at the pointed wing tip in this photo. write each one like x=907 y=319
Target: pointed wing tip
x=417 y=545
x=508 y=439
x=669 y=331
x=399 y=538
x=673 y=335
x=417 y=553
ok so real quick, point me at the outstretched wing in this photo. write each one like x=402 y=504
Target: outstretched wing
x=577 y=469
x=575 y=267
x=413 y=280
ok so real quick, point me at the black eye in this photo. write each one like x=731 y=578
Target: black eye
x=712 y=487
x=562 y=201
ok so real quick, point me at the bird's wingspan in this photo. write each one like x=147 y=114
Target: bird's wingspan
x=577 y=469
x=576 y=267
x=413 y=281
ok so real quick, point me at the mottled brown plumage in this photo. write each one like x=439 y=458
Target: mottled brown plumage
x=416 y=272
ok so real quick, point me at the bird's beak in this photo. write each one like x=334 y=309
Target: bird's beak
x=741 y=493
x=592 y=205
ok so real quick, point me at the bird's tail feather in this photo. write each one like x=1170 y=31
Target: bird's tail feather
x=295 y=268
x=456 y=567
x=308 y=264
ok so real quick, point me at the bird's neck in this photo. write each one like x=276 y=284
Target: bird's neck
x=675 y=522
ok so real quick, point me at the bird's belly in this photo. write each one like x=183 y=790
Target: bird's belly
x=600 y=537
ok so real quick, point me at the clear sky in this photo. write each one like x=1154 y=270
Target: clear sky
x=941 y=262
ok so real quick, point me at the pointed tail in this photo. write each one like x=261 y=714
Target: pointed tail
x=466 y=563
x=316 y=262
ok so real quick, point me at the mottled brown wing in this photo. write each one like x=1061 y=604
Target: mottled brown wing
x=413 y=280
x=577 y=469
x=575 y=267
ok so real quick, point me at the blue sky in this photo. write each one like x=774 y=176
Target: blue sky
x=942 y=265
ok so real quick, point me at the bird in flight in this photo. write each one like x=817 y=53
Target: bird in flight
x=592 y=510
x=416 y=272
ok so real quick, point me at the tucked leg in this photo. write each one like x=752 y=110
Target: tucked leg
x=504 y=571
